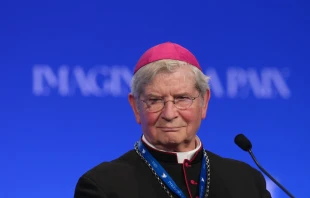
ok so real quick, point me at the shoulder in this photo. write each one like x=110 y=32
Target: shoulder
x=231 y=170
x=109 y=172
x=111 y=176
x=126 y=162
x=228 y=163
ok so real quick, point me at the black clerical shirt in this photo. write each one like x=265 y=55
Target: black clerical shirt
x=129 y=177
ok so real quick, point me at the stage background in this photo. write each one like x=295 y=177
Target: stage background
x=66 y=69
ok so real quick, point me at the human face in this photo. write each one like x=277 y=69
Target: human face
x=171 y=129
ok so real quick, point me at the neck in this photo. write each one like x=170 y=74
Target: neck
x=181 y=153
x=176 y=148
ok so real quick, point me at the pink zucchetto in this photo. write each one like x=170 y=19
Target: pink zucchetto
x=167 y=50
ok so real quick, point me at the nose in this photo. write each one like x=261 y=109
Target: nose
x=169 y=111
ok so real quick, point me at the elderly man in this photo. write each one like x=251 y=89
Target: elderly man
x=169 y=98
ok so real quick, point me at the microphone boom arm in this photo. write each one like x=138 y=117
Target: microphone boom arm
x=266 y=173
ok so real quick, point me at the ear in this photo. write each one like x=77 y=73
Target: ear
x=133 y=104
x=205 y=104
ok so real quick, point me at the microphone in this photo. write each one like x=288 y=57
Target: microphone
x=245 y=144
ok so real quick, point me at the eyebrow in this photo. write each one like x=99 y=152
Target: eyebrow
x=174 y=95
x=152 y=95
x=183 y=94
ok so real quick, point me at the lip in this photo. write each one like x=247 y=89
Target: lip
x=170 y=129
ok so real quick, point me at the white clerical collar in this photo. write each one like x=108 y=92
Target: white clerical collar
x=180 y=155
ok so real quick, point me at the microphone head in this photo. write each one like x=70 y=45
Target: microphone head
x=243 y=142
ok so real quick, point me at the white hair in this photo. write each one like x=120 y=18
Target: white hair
x=145 y=75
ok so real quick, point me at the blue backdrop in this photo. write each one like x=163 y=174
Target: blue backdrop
x=66 y=68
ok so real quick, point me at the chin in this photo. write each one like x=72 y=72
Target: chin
x=174 y=139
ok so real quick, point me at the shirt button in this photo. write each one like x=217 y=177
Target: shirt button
x=193 y=182
x=187 y=164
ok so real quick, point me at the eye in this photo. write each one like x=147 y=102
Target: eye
x=154 y=100
x=182 y=98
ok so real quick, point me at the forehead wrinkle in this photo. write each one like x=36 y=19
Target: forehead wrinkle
x=175 y=76
x=170 y=84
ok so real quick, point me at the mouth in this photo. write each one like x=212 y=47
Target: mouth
x=170 y=129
